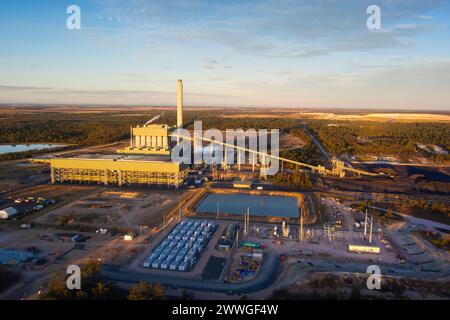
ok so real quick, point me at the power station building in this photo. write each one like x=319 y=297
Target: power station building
x=118 y=170
x=145 y=162
x=150 y=139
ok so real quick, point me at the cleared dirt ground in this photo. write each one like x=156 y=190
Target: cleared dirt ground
x=381 y=117
x=289 y=141
x=117 y=208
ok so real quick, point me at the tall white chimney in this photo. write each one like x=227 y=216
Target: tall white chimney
x=180 y=104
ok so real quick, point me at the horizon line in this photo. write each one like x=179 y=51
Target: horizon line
x=93 y=105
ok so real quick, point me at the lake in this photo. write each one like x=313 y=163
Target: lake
x=259 y=205
x=12 y=148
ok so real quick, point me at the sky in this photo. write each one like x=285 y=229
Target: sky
x=246 y=53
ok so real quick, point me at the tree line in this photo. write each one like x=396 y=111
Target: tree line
x=95 y=288
x=361 y=138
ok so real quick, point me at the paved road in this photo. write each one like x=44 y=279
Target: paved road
x=316 y=142
x=27 y=288
x=266 y=276
x=405 y=270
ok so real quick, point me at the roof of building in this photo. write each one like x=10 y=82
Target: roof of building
x=243 y=182
x=146 y=163
x=121 y=157
x=154 y=125
x=9 y=210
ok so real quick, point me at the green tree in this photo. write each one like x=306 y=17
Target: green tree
x=63 y=220
x=91 y=271
x=57 y=289
x=92 y=287
x=101 y=291
x=147 y=291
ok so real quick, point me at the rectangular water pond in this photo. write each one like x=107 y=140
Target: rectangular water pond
x=259 y=205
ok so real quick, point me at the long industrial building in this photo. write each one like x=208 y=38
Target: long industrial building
x=117 y=170
x=146 y=162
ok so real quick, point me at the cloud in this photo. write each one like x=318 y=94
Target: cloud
x=122 y=93
x=110 y=94
x=210 y=64
x=51 y=90
x=23 y=88
x=262 y=42
x=412 y=84
x=276 y=28
x=424 y=17
x=133 y=75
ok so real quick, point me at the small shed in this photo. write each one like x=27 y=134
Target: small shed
x=7 y=213
x=242 y=184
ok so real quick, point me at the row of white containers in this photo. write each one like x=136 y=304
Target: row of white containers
x=182 y=247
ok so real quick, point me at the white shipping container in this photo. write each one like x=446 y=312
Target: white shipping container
x=156 y=264
x=174 y=265
x=183 y=266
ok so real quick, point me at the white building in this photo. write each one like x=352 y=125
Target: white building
x=7 y=213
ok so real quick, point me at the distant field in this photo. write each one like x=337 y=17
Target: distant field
x=92 y=109
x=376 y=117
x=236 y=113
x=252 y=115
x=381 y=117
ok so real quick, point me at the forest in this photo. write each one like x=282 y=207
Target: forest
x=82 y=129
x=106 y=127
x=341 y=137
x=381 y=138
